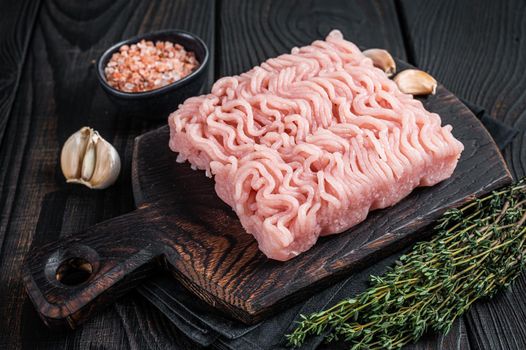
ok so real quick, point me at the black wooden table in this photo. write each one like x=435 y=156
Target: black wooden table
x=48 y=90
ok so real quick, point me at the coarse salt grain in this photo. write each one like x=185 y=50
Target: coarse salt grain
x=147 y=66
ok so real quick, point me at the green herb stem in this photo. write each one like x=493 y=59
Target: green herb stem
x=475 y=251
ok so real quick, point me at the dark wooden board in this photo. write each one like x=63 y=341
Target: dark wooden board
x=478 y=50
x=183 y=226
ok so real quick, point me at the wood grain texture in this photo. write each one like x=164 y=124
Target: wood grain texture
x=252 y=31
x=456 y=339
x=16 y=27
x=478 y=50
x=487 y=72
x=499 y=323
x=18 y=20
x=184 y=226
x=58 y=93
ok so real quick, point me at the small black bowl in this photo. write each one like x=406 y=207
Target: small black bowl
x=160 y=102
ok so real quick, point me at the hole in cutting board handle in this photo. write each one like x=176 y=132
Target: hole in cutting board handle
x=74 y=271
x=73 y=266
x=71 y=278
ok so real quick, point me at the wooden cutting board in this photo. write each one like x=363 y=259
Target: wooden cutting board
x=182 y=226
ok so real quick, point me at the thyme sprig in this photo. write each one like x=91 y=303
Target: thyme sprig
x=475 y=251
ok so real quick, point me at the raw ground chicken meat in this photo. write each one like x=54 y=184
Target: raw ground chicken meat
x=308 y=143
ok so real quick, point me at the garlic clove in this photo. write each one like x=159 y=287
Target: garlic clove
x=73 y=152
x=382 y=59
x=108 y=165
x=415 y=82
x=88 y=159
x=88 y=162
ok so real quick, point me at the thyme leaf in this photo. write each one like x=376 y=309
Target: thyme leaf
x=476 y=250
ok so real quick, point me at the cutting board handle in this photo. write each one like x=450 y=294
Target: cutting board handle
x=69 y=279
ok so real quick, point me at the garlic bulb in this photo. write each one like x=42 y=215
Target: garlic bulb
x=89 y=160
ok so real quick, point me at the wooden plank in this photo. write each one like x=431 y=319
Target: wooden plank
x=252 y=31
x=478 y=50
x=132 y=323
x=58 y=94
x=18 y=20
x=456 y=339
x=499 y=323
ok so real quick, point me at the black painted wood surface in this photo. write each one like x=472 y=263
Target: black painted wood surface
x=37 y=206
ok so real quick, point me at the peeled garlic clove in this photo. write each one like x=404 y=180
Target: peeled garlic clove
x=415 y=82
x=90 y=160
x=382 y=59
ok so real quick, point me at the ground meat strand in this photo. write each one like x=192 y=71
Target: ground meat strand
x=147 y=66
